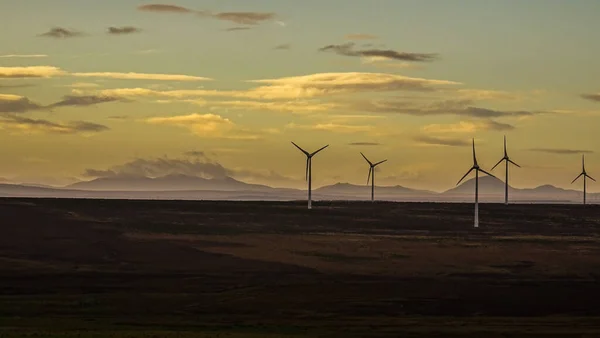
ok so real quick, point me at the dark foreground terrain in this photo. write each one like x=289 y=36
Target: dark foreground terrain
x=110 y=268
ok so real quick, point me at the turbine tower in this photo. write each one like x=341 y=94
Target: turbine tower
x=309 y=157
x=508 y=160
x=585 y=175
x=477 y=170
x=372 y=175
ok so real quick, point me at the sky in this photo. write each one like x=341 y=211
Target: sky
x=92 y=89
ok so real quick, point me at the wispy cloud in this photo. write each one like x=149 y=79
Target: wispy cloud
x=243 y=18
x=82 y=85
x=441 y=141
x=24 y=56
x=364 y=144
x=559 y=151
x=84 y=101
x=61 y=33
x=123 y=30
x=468 y=127
x=206 y=125
x=361 y=36
x=21 y=124
x=332 y=127
x=591 y=97
x=16 y=104
x=347 y=49
x=234 y=29
x=285 y=46
x=275 y=106
x=142 y=76
x=299 y=87
x=161 y=8
x=19 y=85
x=445 y=107
x=30 y=72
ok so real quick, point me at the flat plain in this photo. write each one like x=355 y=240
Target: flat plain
x=118 y=268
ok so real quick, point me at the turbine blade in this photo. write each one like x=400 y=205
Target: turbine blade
x=505 y=154
x=583 y=162
x=511 y=161
x=369 y=177
x=468 y=172
x=498 y=163
x=474 y=158
x=307 y=164
x=379 y=162
x=590 y=177
x=366 y=159
x=485 y=172
x=313 y=154
x=302 y=150
x=576 y=178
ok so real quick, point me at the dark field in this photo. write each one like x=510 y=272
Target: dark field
x=110 y=268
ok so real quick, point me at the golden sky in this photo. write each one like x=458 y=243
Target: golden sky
x=214 y=88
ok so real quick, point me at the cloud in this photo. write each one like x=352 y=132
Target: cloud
x=285 y=46
x=446 y=107
x=383 y=62
x=244 y=18
x=361 y=37
x=83 y=100
x=468 y=127
x=206 y=125
x=21 y=85
x=591 y=97
x=30 y=72
x=196 y=166
x=24 y=56
x=304 y=86
x=118 y=117
x=561 y=151
x=195 y=153
x=233 y=29
x=143 y=76
x=441 y=141
x=61 y=33
x=332 y=127
x=123 y=30
x=162 y=167
x=276 y=106
x=347 y=49
x=364 y=144
x=164 y=8
x=81 y=85
x=482 y=94
x=28 y=125
x=16 y=104
x=321 y=84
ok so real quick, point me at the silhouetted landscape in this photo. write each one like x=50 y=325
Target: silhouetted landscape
x=115 y=268
x=196 y=188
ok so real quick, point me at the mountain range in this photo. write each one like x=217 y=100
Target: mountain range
x=191 y=187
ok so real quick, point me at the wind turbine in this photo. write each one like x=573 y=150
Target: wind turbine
x=477 y=170
x=372 y=175
x=508 y=160
x=309 y=170
x=585 y=175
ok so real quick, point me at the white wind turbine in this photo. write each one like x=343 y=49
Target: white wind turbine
x=585 y=175
x=508 y=160
x=477 y=170
x=309 y=170
x=372 y=175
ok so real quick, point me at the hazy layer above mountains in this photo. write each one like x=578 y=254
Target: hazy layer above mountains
x=190 y=187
